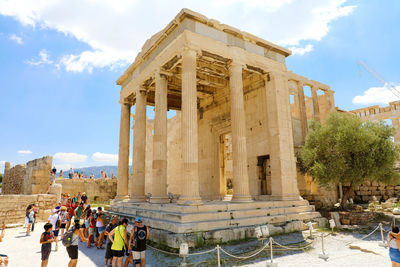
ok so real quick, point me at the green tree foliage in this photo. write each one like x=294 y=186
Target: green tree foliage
x=348 y=151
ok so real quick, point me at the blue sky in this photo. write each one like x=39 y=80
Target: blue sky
x=60 y=60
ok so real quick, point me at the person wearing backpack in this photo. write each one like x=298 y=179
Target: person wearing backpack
x=46 y=239
x=118 y=239
x=71 y=240
x=137 y=242
x=54 y=219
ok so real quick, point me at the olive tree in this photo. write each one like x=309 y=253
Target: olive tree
x=346 y=150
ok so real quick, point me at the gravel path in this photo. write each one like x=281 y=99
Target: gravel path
x=25 y=251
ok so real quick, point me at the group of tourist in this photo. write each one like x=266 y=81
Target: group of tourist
x=73 y=219
x=3 y=257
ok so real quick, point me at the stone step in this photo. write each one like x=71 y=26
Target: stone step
x=214 y=206
x=209 y=225
x=214 y=215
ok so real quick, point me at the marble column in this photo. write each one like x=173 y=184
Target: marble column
x=302 y=110
x=190 y=173
x=241 y=187
x=316 y=114
x=396 y=124
x=159 y=172
x=282 y=159
x=139 y=144
x=330 y=99
x=123 y=154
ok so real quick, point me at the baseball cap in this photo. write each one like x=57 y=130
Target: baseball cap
x=138 y=219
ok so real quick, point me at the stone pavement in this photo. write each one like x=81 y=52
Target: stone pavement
x=25 y=251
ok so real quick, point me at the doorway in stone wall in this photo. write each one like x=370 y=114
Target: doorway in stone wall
x=225 y=165
x=264 y=174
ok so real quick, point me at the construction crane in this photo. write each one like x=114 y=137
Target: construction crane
x=387 y=85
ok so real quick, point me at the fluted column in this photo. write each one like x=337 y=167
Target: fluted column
x=241 y=188
x=123 y=154
x=159 y=172
x=190 y=173
x=302 y=110
x=282 y=159
x=139 y=144
x=316 y=115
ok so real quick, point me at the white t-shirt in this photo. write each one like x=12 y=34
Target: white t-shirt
x=53 y=220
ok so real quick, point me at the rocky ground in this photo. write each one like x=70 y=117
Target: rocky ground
x=25 y=251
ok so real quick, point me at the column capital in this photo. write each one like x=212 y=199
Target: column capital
x=236 y=63
x=188 y=50
x=125 y=101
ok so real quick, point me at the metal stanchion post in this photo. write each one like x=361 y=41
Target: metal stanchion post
x=382 y=243
x=323 y=254
x=271 y=263
x=218 y=257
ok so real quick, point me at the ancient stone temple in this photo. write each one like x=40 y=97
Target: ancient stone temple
x=225 y=85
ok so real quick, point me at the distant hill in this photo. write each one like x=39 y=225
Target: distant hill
x=96 y=170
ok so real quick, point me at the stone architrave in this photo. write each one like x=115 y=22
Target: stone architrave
x=241 y=191
x=123 y=155
x=159 y=171
x=190 y=173
x=139 y=140
x=283 y=164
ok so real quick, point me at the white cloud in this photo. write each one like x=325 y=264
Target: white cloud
x=16 y=38
x=105 y=158
x=70 y=157
x=301 y=50
x=375 y=95
x=44 y=58
x=116 y=30
x=24 y=152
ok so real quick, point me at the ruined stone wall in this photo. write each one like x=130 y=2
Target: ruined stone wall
x=13 y=179
x=37 y=177
x=12 y=207
x=366 y=191
x=32 y=178
x=96 y=190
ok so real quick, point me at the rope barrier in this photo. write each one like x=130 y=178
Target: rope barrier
x=163 y=251
x=294 y=248
x=278 y=247
x=244 y=257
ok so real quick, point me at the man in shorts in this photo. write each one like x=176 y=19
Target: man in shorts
x=137 y=242
x=109 y=228
x=46 y=239
x=55 y=221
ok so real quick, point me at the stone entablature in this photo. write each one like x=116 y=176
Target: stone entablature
x=12 y=207
x=95 y=189
x=30 y=178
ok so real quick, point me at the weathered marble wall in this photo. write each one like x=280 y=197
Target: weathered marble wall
x=12 y=207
